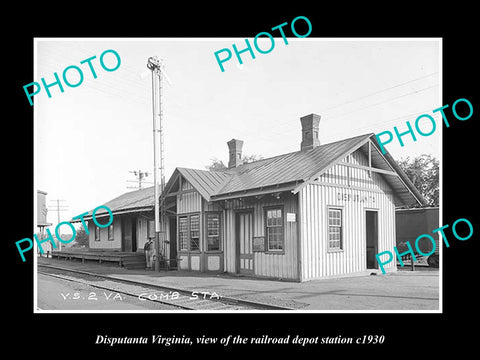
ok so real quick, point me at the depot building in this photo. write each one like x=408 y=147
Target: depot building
x=324 y=210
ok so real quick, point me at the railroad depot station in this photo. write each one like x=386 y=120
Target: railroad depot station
x=325 y=210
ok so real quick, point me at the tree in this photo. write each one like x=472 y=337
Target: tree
x=217 y=164
x=251 y=158
x=423 y=171
x=81 y=238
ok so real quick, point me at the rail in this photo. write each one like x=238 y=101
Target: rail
x=184 y=299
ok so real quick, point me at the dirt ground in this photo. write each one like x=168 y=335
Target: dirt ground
x=401 y=290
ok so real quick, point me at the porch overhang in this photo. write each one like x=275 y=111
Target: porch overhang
x=256 y=192
x=103 y=213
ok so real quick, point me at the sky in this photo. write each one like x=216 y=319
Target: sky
x=90 y=137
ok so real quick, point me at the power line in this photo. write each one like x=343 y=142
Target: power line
x=387 y=123
x=380 y=91
x=58 y=209
x=287 y=123
x=384 y=101
x=365 y=107
x=132 y=87
x=140 y=175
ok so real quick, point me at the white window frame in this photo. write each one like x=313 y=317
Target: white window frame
x=180 y=241
x=282 y=226
x=329 y=240
x=190 y=237
x=219 y=235
x=189 y=230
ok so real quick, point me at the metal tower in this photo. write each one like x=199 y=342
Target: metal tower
x=156 y=66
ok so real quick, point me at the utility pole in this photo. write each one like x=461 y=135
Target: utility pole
x=58 y=209
x=156 y=66
x=140 y=179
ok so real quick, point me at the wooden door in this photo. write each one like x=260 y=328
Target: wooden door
x=244 y=237
x=126 y=234
x=372 y=238
x=134 y=235
x=173 y=242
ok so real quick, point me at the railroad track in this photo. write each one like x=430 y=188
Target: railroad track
x=180 y=298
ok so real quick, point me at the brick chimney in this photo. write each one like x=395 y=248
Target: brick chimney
x=310 y=131
x=235 y=153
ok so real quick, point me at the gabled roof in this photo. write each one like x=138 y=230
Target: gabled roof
x=289 y=172
x=294 y=167
x=133 y=201
x=206 y=182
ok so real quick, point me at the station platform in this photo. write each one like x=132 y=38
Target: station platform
x=129 y=260
x=401 y=290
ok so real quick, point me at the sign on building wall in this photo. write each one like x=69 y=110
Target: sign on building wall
x=258 y=243
x=291 y=217
x=355 y=197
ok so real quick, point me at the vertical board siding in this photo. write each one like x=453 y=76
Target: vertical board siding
x=142 y=236
x=316 y=260
x=190 y=202
x=282 y=265
x=209 y=206
x=349 y=176
x=229 y=241
x=165 y=226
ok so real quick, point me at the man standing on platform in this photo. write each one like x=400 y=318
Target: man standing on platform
x=149 y=251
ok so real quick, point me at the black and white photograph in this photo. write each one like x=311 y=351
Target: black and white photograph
x=264 y=187
x=225 y=179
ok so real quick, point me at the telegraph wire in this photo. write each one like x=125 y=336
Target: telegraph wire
x=287 y=123
x=386 y=124
x=358 y=130
x=59 y=207
x=384 y=101
x=380 y=91
x=140 y=179
x=128 y=87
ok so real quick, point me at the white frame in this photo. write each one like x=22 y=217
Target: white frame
x=340 y=209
